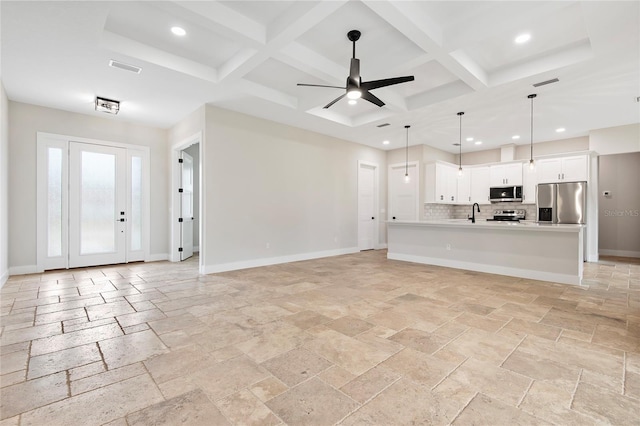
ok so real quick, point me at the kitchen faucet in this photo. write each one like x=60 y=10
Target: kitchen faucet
x=473 y=212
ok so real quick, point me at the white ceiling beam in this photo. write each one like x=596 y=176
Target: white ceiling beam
x=407 y=18
x=312 y=63
x=287 y=28
x=439 y=94
x=574 y=54
x=224 y=20
x=135 y=49
x=267 y=93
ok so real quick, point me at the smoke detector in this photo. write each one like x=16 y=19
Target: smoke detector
x=107 y=105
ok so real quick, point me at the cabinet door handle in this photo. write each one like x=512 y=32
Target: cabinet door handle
x=563 y=176
x=442 y=197
x=372 y=218
x=469 y=198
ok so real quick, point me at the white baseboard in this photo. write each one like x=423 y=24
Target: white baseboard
x=490 y=269
x=23 y=270
x=254 y=263
x=157 y=257
x=4 y=277
x=619 y=253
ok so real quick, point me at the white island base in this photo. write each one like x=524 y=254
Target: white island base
x=526 y=250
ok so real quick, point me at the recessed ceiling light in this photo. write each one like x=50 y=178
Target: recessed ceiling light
x=478 y=142
x=523 y=38
x=178 y=31
x=515 y=137
x=352 y=102
x=385 y=142
x=469 y=139
x=560 y=129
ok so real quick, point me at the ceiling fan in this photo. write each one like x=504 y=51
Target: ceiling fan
x=355 y=87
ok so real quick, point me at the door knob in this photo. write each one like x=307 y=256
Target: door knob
x=122 y=219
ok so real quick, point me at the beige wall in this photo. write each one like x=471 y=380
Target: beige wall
x=615 y=140
x=26 y=120
x=619 y=213
x=270 y=183
x=4 y=186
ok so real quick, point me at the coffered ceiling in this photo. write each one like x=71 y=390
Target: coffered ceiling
x=248 y=56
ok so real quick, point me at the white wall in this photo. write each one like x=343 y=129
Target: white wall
x=28 y=119
x=615 y=140
x=268 y=183
x=4 y=186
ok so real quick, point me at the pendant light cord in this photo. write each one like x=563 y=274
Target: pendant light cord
x=460 y=114
x=406 y=163
x=532 y=96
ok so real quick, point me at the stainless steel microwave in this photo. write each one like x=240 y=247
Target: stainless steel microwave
x=501 y=194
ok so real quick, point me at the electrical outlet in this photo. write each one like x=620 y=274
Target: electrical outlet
x=448 y=246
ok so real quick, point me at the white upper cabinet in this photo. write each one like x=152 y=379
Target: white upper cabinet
x=464 y=186
x=564 y=169
x=505 y=174
x=479 y=177
x=441 y=184
x=529 y=182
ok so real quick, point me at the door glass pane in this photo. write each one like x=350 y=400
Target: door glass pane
x=135 y=216
x=54 y=203
x=97 y=208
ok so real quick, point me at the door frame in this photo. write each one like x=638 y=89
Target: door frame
x=174 y=255
x=376 y=207
x=45 y=140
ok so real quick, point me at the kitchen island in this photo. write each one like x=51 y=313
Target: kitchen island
x=527 y=249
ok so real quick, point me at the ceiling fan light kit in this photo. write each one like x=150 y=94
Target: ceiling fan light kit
x=355 y=88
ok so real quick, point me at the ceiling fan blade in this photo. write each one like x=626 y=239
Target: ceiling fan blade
x=335 y=100
x=372 y=98
x=321 y=85
x=375 y=84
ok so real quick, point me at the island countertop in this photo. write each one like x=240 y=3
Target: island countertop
x=527 y=249
x=525 y=225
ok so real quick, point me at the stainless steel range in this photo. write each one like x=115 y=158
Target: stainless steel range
x=508 y=215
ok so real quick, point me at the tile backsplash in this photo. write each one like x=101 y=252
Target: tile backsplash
x=453 y=211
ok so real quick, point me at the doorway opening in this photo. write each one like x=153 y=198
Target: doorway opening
x=186 y=224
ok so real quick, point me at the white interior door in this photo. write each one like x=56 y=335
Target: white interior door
x=403 y=195
x=97 y=205
x=186 y=206
x=367 y=220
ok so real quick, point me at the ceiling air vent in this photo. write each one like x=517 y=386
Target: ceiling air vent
x=544 y=83
x=107 y=105
x=383 y=125
x=126 y=67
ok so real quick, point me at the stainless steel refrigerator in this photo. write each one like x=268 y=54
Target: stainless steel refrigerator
x=562 y=202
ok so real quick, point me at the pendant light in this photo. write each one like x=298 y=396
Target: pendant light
x=460 y=114
x=406 y=164
x=531 y=163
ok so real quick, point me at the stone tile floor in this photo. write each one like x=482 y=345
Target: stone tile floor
x=355 y=339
